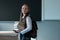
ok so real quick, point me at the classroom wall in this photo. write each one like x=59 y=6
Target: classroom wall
x=50 y=9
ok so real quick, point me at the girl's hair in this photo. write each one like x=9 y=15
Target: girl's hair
x=25 y=4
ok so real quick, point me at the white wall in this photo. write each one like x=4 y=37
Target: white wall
x=50 y=9
x=6 y=25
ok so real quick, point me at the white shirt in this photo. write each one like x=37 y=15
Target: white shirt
x=28 y=24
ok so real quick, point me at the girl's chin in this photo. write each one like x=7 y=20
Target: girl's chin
x=24 y=12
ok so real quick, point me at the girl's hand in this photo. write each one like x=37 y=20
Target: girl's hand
x=17 y=31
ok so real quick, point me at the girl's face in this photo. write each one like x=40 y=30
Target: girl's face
x=25 y=9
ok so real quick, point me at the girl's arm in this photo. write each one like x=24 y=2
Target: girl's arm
x=15 y=25
x=28 y=24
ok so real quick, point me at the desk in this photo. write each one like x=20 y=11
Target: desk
x=9 y=33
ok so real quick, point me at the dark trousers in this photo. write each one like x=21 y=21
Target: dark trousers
x=25 y=37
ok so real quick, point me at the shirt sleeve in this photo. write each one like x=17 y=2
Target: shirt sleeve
x=15 y=25
x=28 y=24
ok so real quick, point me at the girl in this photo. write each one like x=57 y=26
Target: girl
x=25 y=23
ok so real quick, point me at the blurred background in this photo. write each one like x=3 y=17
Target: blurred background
x=10 y=9
x=45 y=12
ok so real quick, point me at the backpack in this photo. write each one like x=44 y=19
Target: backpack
x=33 y=32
